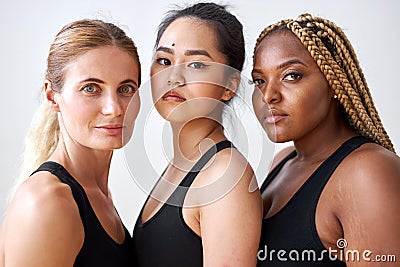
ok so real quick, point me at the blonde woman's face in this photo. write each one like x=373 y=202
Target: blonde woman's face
x=93 y=102
x=291 y=98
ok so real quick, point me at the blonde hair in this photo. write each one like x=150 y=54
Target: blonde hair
x=73 y=40
x=335 y=56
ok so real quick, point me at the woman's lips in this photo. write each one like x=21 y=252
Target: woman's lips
x=111 y=129
x=174 y=96
x=274 y=116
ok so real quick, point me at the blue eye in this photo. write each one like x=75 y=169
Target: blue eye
x=197 y=65
x=127 y=90
x=164 y=61
x=90 y=88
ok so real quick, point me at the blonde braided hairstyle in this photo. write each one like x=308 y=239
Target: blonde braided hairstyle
x=335 y=56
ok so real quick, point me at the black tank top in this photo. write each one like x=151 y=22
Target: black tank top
x=293 y=228
x=165 y=239
x=98 y=249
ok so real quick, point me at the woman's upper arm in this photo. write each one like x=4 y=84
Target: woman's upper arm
x=231 y=226
x=42 y=226
x=371 y=214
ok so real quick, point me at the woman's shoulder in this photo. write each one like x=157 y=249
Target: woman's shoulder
x=43 y=219
x=43 y=198
x=226 y=172
x=42 y=186
x=369 y=171
x=365 y=188
x=229 y=161
x=371 y=159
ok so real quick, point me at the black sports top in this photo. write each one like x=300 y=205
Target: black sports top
x=165 y=239
x=98 y=249
x=293 y=228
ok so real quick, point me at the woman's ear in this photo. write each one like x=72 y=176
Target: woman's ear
x=51 y=96
x=232 y=86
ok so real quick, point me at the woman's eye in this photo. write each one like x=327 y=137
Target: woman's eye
x=292 y=76
x=257 y=82
x=127 y=90
x=164 y=61
x=90 y=88
x=197 y=65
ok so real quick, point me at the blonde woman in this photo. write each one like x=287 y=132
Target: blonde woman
x=63 y=214
x=335 y=194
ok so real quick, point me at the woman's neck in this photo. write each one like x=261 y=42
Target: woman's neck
x=88 y=166
x=194 y=138
x=321 y=142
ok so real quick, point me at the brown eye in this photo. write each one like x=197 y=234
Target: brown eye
x=292 y=76
x=257 y=82
x=164 y=61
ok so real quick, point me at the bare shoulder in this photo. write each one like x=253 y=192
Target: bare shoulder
x=367 y=200
x=234 y=212
x=42 y=218
x=371 y=161
x=227 y=173
x=45 y=193
x=228 y=164
x=370 y=173
x=369 y=170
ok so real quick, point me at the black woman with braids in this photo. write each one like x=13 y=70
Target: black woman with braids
x=334 y=198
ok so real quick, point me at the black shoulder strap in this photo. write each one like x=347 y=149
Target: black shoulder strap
x=328 y=166
x=179 y=194
x=78 y=192
x=325 y=170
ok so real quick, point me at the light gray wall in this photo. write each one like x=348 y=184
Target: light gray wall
x=28 y=27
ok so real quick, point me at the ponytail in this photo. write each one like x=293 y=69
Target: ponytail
x=40 y=142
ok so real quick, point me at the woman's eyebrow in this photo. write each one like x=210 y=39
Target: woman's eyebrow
x=195 y=52
x=290 y=62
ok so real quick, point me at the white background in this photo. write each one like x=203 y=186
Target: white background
x=28 y=28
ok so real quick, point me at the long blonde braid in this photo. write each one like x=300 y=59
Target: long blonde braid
x=335 y=57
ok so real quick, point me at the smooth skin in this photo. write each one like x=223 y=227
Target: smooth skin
x=228 y=221
x=293 y=102
x=42 y=225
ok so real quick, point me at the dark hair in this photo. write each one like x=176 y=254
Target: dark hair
x=227 y=27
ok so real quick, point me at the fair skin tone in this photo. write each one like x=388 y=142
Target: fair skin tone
x=43 y=222
x=293 y=102
x=228 y=222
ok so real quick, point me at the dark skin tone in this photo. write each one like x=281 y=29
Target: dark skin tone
x=293 y=102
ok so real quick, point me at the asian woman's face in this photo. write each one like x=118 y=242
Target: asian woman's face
x=291 y=97
x=92 y=104
x=188 y=75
